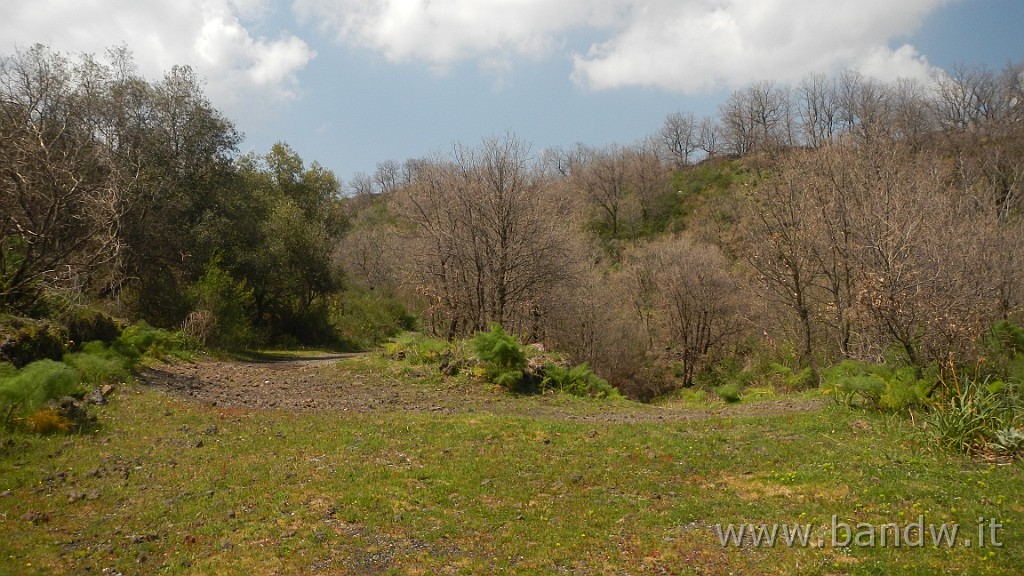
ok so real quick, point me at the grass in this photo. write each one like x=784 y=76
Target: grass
x=171 y=487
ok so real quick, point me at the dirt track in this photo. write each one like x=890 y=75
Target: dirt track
x=322 y=383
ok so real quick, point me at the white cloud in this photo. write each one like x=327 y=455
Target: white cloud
x=697 y=45
x=681 y=45
x=442 y=32
x=209 y=35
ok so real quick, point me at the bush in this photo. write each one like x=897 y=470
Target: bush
x=577 y=381
x=503 y=359
x=27 y=390
x=24 y=340
x=219 y=317
x=364 y=319
x=416 y=348
x=88 y=324
x=878 y=385
x=729 y=392
x=98 y=364
x=1004 y=351
x=727 y=370
x=979 y=414
x=792 y=379
x=142 y=339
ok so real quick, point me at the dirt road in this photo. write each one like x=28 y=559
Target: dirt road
x=335 y=382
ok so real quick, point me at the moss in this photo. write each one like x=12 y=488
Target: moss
x=24 y=340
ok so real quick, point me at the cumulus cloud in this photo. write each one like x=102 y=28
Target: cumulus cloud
x=442 y=32
x=681 y=45
x=696 y=45
x=210 y=35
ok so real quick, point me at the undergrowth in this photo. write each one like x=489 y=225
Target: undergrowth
x=27 y=394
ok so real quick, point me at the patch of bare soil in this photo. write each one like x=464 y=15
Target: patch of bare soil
x=320 y=383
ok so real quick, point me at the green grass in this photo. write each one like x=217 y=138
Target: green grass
x=170 y=487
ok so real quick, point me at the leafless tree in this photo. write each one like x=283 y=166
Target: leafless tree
x=688 y=295
x=483 y=244
x=680 y=136
x=757 y=118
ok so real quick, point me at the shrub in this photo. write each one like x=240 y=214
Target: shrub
x=577 y=381
x=142 y=339
x=975 y=413
x=98 y=364
x=503 y=358
x=878 y=385
x=1004 y=351
x=24 y=340
x=221 y=303
x=726 y=370
x=89 y=324
x=364 y=319
x=27 y=390
x=729 y=392
x=416 y=348
x=793 y=379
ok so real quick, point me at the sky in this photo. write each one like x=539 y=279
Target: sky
x=350 y=83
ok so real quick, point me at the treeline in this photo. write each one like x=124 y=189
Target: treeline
x=130 y=195
x=840 y=219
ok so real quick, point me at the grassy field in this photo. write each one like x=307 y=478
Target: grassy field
x=541 y=486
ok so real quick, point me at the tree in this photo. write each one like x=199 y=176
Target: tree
x=757 y=118
x=604 y=182
x=779 y=244
x=680 y=136
x=483 y=244
x=819 y=110
x=697 y=303
x=59 y=186
x=296 y=222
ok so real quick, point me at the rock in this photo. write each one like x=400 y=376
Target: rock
x=74 y=411
x=36 y=517
x=96 y=397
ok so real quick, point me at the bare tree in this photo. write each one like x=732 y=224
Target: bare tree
x=604 y=182
x=388 y=176
x=696 y=301
x=756 y=118
x=485 y=247
x=680 y=136
x=779 y=243
x=710 y=136
x=818 y=109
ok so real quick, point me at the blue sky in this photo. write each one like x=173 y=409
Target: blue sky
x=350 y=83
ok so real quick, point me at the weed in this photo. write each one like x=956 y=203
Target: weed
x=577 y=381
x=416 y=348
x=729 y=392
x=98 y=364
x=28 y=389
x=976 y=410
x=47 y=421
x=503 y=358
